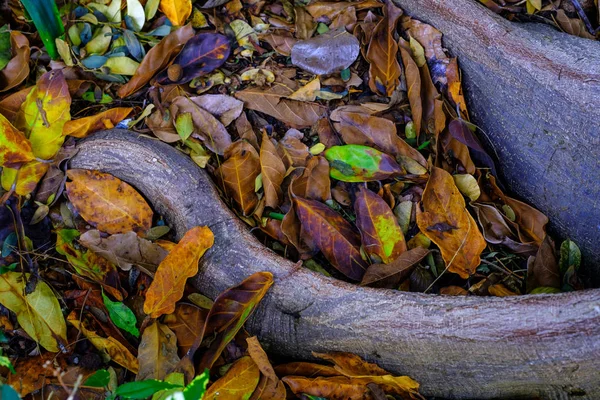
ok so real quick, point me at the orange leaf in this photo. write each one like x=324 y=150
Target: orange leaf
x=187 y=322
x=177 y=11
x=108 y=203
x=449 y=225
x=181 y=263
x=273 y=172
x=24 y=179
x=82 y=127
x=15 y=149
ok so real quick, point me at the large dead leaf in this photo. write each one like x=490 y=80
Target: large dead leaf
x=11 y=104
x=177 y=11
x=156 y=59
x=31 y=372
x=449 y=225
x=15 y=149
x=38 y=313
x=17 y=69
x=343 y=387
x=188 y=323
x=238 y=174
x=25 y=179
x=349 y=364
x=384 y=69
x=108 y=203
x=180 y=264
x=333 y=235
x=301 y=368
x=157 y=352
x=82 y=127
x=237 y=384
x=281 y=41
x=390 y=275
x=331 y=9
x=327 y=53
x=273 y=172
x=381 y=235
x=271 y=101
x=226 y=108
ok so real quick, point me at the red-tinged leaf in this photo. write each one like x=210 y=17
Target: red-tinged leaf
x=17 y=69
x=108 y=203
x=382 y=237
x=333 y=235
x=187 y=322
x=238 y=174
x=82 y=127
x=384 y=69
x=449 y=225
x=25 y=179
x=180 y=264
x=357 y=163
x=296 y=114
x=15 y=149
x=238 y=383
x=227 y=316
x=157 y=59
x=273 y=172
x=390 y=275
x=44 y=114
x=201 y=55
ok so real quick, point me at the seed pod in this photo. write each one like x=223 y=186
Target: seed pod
x=174 y=72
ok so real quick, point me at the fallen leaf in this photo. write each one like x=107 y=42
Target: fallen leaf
x=188 y=323
x=17 y=69
x=384 y=69
x=137 y=14
x=271 y=101
x=157 y=352
x=260 y=358
x=349 y=364
x=156 y=59
x=381 y=235
x=272 y=170
x=461 y=132
x=390 y=275
x=301 y=368
x=333 y=235
x=31 y=374
x=238 y=383
x=125 y=250
x=238 y=174
x=307 y=92
x=543 y=271
x=331 y=9
x=161 y=124
x=413 y=84
x=210 y=130
x=356 y=163
x=499 y=290
x=453 y=291
x=224 y=107
x=281 y=41
x=449 y=225
x=82 y=127
x=121 y=315
x=227 y=316
x=327 y=53
x=15 y=149
x=11 y=104
x=172 y=273
x=108 y=346
x=44 y=114
x=38 y=313
x=108 y=203
x=295 y=151
x=201 y=55
x=177 y=11
x=318 y=184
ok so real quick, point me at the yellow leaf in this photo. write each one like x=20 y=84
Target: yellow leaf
x=38 y=313
x=109 y=346
x=108 y=203
x=177 y=11
x=122 y=65
x=157 y=353
x=81 y=127
x=237 y=384
x=307 y=92
x=15 y=149
x=24 y=179
x=180 y=264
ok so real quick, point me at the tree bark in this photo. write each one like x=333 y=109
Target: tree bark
x=535 y=92
x=456 y=347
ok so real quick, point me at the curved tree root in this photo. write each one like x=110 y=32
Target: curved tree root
x=456 y=347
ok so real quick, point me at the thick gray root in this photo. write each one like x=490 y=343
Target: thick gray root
x=456 y=347
x=536 y=94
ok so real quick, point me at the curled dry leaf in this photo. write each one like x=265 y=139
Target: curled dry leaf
x=207 y=127
x=157 y=59
x=125 y=250
x=172 y=273
x=157 y=352
x=281 y=41
x=238 y=174
x=15 y=149
x=413 y=84
x=384 y=69
x=390 y=275
x=327 y=53
x=273 y=172
x=17 y=69
x=381 y=235
x=543 y=271
x=82 y=127
x=188 y=323
x=449 y=225
x=38 y=313
x=202 y=54
x=226 y=108
x=108 y=346
x=161 y=124
x=333 y=235
x=11 y=104
x=261 y=359
x=238 y=383
x=108 y=203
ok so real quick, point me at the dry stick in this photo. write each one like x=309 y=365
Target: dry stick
x=584 y=17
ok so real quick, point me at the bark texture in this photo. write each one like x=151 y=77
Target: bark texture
x=535 y=92
x=456 y=347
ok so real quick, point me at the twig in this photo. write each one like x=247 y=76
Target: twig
x=584 y=17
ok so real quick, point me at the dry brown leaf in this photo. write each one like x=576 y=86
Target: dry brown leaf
x=188 y=323
x=157 y=352
x=273 y=172
x=224 y=107
x=413 y=84
x=281 y=41
x=17 y=69
x=172 y=273
x=390 y=275
x=161 y=124
x=261 y=359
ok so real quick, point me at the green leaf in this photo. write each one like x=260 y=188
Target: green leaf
x=197 y=387
x=99 y=378
x=91 y=97
x=357 y=163
x=121 y=315
x=8 y=268
x=5 y=362
x=8 y=393
x=570 y=255
x=5 y=48
x=46 y=19
x=544 y=290
x=175 y=378
x=143 y=389
x=184 y=125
